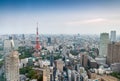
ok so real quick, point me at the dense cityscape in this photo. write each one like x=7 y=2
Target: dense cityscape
x=59 y=40
x=34 y=57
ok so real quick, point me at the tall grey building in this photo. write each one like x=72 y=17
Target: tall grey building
x=104 y=40
x=113 y=36
x=49 y=40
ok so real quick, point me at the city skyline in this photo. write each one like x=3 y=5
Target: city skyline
x=59 y=16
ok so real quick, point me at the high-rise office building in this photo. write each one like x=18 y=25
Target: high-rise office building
x=49 y=40
x=69 y=74
x=113 y=53
x=51 y=66
x=11 y=62
x=23 y=39
x=51 y=58
x=84 y=60
x=12 y=66
x=104 y=40
x=8 y=43
x=113 y=36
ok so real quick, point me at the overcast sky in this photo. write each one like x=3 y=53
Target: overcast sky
x=59 y=16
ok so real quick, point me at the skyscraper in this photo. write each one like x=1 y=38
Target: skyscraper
x=84 y=60
x=113 y=36
x=8 y=43
x=51 y=66
x=23 y=39
x=113 y=53
x=49 y=40
x=12 y=64
x=51 y=58
x=104 y=40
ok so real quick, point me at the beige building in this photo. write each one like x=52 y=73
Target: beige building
x=96 y=77
x=12 y=66
x=44 y=72
x=113 y=53
x=59 y=65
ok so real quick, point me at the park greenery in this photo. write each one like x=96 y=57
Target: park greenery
x=56 y=56
x=30 y=73
x=115 y=74
x=25 y=52
x=74 y=52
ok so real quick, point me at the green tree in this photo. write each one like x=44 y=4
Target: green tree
x=115 y=74
x=25 y=52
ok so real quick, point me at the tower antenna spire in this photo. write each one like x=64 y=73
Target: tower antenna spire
x=37 y=47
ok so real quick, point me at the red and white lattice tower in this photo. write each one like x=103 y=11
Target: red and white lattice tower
x=37 y=47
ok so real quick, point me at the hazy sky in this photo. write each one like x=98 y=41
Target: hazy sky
x=59 y=16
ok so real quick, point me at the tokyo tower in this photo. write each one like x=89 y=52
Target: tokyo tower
x=37 y=47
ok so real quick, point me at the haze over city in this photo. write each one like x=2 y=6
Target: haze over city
x=59 y=16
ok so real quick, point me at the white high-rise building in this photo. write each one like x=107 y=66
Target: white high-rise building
x=69 y=75
x=8 y=44
x=104 y=40
x=113 y=36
